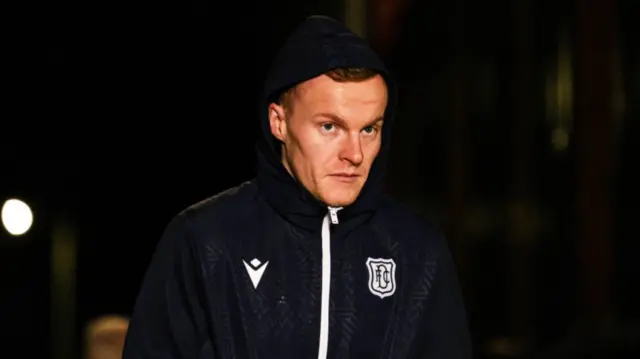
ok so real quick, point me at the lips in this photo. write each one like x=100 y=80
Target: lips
x=345 y=177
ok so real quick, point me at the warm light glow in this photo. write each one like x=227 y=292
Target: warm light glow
x=17 y=217
x=105 y=337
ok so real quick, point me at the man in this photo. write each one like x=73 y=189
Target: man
x=309 y=260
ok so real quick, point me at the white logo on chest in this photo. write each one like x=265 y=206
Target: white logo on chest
x=255 y=268
x=382 y=276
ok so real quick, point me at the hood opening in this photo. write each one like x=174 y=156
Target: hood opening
x=317 y=46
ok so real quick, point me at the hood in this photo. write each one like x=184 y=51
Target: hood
x=318 y=45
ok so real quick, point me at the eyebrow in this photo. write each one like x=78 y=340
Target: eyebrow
x=342 y=122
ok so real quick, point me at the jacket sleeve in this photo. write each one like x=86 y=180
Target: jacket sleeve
x=168 y=319
x=447 y=333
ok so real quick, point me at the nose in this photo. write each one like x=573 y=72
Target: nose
x=352 y=150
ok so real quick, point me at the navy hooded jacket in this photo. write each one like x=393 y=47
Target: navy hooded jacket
x=264 y=270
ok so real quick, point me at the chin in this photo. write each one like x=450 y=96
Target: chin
x=337 y=194
x=339 y=199
x=340 y=203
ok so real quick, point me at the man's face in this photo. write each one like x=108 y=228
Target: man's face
x=331 y=134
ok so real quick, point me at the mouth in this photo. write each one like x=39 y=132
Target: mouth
x=345 y=177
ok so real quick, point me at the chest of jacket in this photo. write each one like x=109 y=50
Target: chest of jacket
x=272 y=288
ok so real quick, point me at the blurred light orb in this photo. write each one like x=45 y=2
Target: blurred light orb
x=17 y=217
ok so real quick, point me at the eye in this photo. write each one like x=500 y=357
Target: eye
x=370 y=129
x=328 y=127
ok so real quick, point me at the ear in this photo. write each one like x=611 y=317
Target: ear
x=277 y=121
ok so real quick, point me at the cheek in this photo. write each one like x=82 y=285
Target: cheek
x=307 y=154
x=321 y=158
x=371 y=151
x=315 y=151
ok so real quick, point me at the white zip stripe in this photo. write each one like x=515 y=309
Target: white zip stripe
x=326 y=281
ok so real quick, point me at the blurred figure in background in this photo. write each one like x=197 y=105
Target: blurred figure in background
x=104 y=337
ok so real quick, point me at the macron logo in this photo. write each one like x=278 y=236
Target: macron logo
x=255 y=268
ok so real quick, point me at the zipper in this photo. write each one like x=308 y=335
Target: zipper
x=332 y=216
x=333 y=213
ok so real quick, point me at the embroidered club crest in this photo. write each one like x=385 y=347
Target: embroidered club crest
x=382 y=276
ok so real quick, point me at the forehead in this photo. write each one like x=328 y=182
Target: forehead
x=324 y=91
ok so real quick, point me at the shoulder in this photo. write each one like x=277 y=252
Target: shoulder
x=202 y=232
x=415 y=230
x=222 y=216
x=222 y=207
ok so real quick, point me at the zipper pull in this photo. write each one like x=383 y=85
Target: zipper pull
x=333 y=213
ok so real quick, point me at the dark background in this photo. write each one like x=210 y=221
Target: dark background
x=117 y=115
